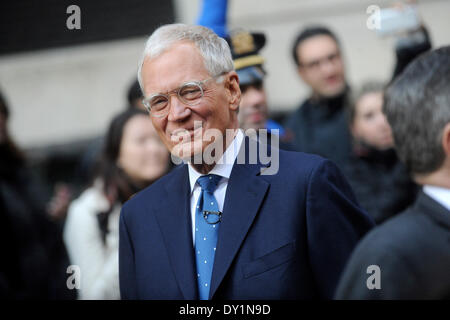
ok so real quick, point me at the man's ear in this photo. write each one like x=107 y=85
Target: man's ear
x=446 y=140
x=232 y=86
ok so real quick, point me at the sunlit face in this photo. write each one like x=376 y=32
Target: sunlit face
x=180 y=64
x=253 y=107
x=321 y=65
x=142 y=155
x=370 y=124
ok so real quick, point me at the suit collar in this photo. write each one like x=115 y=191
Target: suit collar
x=431 y=207
x=439 y=194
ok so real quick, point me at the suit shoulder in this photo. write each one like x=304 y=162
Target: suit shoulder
x=300 y=158
x=409 y=256
x=293 y=161
x=395 y=235
x=154 y=191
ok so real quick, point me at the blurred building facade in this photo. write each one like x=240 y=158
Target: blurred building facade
x=67 y=93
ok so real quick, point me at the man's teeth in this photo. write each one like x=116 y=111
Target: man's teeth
x=185 y=131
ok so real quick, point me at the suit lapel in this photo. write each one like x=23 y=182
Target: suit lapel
x=174 y=220
x=244 y=195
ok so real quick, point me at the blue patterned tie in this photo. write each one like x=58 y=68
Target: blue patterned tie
x=207 y=218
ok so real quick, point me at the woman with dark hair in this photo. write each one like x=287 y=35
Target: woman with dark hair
x=133 y=157
x=380 y=182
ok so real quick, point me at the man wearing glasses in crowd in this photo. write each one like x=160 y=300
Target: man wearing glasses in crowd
x=320 y=124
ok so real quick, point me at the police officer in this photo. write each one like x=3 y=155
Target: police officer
x=249 y=65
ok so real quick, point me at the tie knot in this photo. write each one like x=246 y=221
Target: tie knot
x=209 y=182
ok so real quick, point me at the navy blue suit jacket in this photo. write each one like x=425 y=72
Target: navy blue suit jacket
x=282 y=236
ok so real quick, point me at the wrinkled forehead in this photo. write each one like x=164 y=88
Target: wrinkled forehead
x=177 y=65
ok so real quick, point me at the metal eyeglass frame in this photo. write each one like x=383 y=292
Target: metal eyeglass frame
x=176 y=91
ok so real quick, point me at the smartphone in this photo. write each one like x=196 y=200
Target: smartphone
x=397 y=21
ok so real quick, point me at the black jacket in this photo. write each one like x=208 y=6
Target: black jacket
x=34 y=259
x=321 y=127
x=380 y=182
x=412 y=251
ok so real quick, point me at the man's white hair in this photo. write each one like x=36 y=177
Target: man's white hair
x=214 y=50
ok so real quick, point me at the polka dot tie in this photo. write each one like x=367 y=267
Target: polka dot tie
x=207 y=218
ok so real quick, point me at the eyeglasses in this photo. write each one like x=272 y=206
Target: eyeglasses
x=315 y=64
x=189 y=93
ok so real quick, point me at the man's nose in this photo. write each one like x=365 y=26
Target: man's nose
x=177 y=109
x=327 y=66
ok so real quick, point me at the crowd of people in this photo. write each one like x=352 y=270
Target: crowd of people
x=383 y=198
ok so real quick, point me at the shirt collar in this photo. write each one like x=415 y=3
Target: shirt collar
x=439 y=194
x=225 y=164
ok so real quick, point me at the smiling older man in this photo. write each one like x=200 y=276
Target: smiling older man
x=227 y=229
